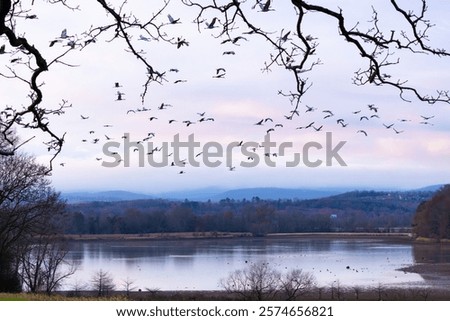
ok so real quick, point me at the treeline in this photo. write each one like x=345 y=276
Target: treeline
x=350 y=212
x=432 y=218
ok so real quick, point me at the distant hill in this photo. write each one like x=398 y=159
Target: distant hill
x=213 y=194
x=431 y=188
x=107 y=196
x=217 y=194
x=278 y=193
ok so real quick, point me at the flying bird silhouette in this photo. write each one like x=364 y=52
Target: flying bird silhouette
x=362 y=131
x=372 y=108
x=265 y=7
x=211 y=24
x=172 y=20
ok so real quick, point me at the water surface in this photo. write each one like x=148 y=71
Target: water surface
x=200 y=264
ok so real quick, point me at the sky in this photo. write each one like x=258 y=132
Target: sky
x=417 y=156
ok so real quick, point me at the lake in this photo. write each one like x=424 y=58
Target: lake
x=200 y=264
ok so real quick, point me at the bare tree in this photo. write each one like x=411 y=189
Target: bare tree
x=381 y=291
x=102 y=282
x=296 y=283
x=294 y=50
x=128 y=285
x=77 y=288
x=29 y=208
x=43 y=264
x=257 y=282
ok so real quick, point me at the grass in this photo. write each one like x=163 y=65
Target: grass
x=56 y=297
x=315 y=294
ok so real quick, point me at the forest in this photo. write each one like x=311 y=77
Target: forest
x=432 y=218
x=357 y=211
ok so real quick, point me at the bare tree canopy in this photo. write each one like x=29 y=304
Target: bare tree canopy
x=379 y=45
x=29 y=210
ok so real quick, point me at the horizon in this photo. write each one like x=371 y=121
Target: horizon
x=217 y=191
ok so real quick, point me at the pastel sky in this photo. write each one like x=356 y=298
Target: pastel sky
x=416 y=157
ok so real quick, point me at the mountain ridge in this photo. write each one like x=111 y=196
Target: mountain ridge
x=217 y=194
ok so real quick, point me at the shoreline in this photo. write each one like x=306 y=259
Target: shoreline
x=229 y=235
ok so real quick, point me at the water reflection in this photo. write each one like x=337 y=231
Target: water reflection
x=431 y=253
x=200 y=264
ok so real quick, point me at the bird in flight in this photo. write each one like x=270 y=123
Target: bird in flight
x=64 y=34
x=309 y=109
x=120 y=96
x=397 y=131
x=388 y=126
x=234 y=40
x=318 y=129
x=211 y=24
x=181 y=42
x=427 y=117
x=307 y=126
x=285 y=37
x=172 y=20
x=144 y=38
x=52 y=43
x=372 y=108
x=84 y=117
x=220 y=73
x=362 y=131
x=265 y=7
x=328 y=112
x=163 y=106
x=205 y=119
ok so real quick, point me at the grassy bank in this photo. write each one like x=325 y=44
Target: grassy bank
x=335 y=293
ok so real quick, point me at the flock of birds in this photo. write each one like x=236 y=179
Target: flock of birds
x=362 y=116
x=326 y=117
x=152 y=115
